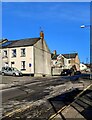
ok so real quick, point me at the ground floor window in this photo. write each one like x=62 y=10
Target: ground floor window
x=6 y=64
x=22 y=65
x=12 y=63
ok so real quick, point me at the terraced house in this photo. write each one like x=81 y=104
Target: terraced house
x=31 y=56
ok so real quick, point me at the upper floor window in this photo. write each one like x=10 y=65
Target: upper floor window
x=14 y=53
x=23 y=53
x=5 y=53
x=69 y=61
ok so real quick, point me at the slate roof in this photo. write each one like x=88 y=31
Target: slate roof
x=21 y=42
x=71 y=55
x=54 y=57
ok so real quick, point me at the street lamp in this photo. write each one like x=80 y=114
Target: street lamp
x=83 y=26
x=89 y=26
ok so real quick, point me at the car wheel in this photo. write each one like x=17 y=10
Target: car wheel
x=3 y=74
x=14 y=74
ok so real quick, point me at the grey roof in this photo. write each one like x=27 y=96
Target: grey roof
x=23 y=42
x=71 y=55
x=54 y=57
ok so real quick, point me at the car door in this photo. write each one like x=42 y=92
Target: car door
x=9 y=71
x=4 y=70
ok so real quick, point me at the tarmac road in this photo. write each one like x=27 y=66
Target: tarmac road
x=23 y=88
x=34 y=94
x=40 y=87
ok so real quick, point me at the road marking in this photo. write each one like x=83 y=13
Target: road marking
x=65 y=107
x=52 y=116
x=8 y=89
x=17 y=111
x=83 y=91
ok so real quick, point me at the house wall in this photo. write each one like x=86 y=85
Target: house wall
x=3 y=58
x=77 y=61
x=42 y=58
x=38 y=56
x=17 y=60
x=56 y=71
x=0 y=59
x=28 y=59
x=73 y=61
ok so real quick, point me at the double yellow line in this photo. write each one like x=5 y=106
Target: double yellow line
x=19 y=110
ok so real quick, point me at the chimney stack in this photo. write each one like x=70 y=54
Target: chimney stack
x=41 y=35
x=55 y=52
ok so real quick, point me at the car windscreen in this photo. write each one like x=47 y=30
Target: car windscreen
x=4 y=68
x=15 y=69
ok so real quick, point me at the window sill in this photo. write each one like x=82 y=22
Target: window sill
x=5 y=57
x=22 y=56
x=23 y=69
x=13 y=56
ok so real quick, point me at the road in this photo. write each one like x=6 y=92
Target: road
x=31 y=98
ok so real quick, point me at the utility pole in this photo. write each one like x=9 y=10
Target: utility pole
x=90 y=26
x=91 y=40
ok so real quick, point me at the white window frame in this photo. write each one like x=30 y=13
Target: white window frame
x=23 y=53
x=69 y=61
x=5 y=53
x=14 y=53
x=23 y=65
x=6 y=64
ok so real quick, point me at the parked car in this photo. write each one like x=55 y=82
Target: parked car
x=10 y=71
x=66 y=72
x=77 y=73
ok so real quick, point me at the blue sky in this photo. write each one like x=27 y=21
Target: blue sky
x=60 y=22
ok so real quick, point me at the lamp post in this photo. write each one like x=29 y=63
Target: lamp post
x=89 y=26
x=83 y=26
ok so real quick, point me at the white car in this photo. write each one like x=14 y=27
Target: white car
x=10 y=71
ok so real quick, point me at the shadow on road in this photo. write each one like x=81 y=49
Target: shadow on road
x=83 y=104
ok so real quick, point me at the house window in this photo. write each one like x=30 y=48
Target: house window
x=6 y=64
x=12 y=63
x=23 y=52
x=69 y=61
x=22 y=65
x=5 y=53
x=14 y=53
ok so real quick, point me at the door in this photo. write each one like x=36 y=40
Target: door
x=9 y=71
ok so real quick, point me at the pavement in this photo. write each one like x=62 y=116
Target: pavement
x=80 y=108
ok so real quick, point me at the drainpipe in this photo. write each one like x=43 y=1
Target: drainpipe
x=42 y=38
